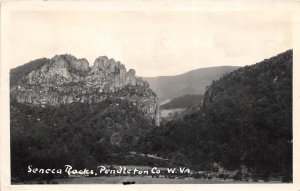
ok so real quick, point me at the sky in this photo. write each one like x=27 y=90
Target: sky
x=154 y=43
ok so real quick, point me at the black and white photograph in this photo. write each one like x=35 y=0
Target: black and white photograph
x=148 y=93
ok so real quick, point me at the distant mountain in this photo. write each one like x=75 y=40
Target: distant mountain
x=193 y=82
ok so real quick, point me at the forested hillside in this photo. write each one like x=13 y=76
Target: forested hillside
x=79 y=134
x=19 y=72
x=245 y=121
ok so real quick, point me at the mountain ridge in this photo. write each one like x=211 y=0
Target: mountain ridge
x=192 y=82
x=187 y=72
x=65 y=79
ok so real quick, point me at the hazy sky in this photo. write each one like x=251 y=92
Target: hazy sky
x=153 y=43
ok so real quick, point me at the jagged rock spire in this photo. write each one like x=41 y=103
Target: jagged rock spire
x=67 y=79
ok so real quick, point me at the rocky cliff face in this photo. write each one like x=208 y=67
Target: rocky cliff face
x=66 y=79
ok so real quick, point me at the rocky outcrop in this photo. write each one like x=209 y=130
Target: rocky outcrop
x=66 y=79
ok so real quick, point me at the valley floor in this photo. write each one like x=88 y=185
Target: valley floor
x=148 y=180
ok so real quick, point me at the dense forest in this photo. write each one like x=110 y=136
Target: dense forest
x=244 y=121
x=78 y=134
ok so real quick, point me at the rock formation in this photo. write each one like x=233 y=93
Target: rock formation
x=66 y=79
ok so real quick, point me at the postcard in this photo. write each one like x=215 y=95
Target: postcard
x=144 y=95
